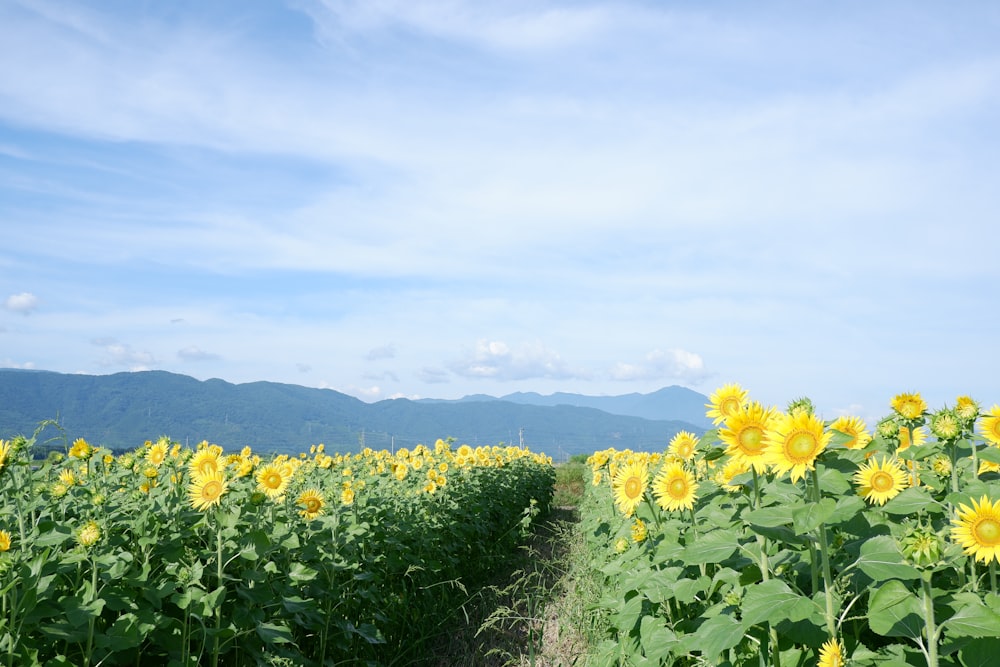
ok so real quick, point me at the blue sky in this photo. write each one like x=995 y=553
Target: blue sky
x=432 y=199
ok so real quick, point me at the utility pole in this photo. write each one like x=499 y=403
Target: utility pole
x=520 y=435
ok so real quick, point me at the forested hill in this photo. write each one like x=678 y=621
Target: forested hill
x=123 y=410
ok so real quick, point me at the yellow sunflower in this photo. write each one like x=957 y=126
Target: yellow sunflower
x=966 y=409
x=944 y=425
x=312 y=503
x=977 y=529
x=989 y=425
x=744 y=434
x=854 y=427
x=271 y=479
x=4 y=540
x=880 y=481
x=909 y=406
x=674 y=488
x=793 y=442
x=206 y=491
x=639 y=531
x=81 y=449
x=683 y=445
x=726 y=401
x=908 y=436
x=628 y=485
x=5 y=447
x=89 y=534
x=204 y=463
x=831 y=654
x=157 y=453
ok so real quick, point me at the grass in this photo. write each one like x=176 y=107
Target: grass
x=535 y=613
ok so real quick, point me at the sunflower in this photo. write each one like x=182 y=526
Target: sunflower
x=628 y=485
x=89 y=534
x=5 y=447
x=989 y=425
x=157 y=453
x=793 y=442
x=882 y=481
x=271 y=479
x=639 y=531
x=674 y=488
x=204 y=463
x=724 y=475
x=347 y=496
x=683 y=445
x=977 y=529
x=944 y=425
x=831 y=654
x=908 y=436
x=966 y=409
x=909 y=406
x=988 y=466
x=312 y=503
x=726 y=401
x=4 y=540
x=744 y=434
x=855 y=428
x=206 y=490
x=81 y=449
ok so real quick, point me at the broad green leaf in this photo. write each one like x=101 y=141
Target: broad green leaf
x=991 y=454
x=811 y=516
x=273 y=633
x=973 y=618
x=894 y=611
x=774 y=601
x=687 y=590
x=980 y=652
x=910 y=501
x=770 y=517
x=657 y=639
x=881 y=559
x=847 y=508
x=717 y=634
x=713 y=547
x=301 y=573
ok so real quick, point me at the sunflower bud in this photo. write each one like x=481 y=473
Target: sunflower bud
x=922 y=547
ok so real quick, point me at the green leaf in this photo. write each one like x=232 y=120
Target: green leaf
x=991 y=454
x=273 y=633
x=910 y=501
x=881 y=559
x=713 y=547
x=657 y=640
x=893 y=611
x=774 y=601
x=770 y=517
x=973 y=618
x=847 y=508
x=300 y=573
x=717 y=634
x=980 y=652
x=811 y=516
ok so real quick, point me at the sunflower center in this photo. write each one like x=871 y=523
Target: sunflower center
x=800 y=446
x=312 y=505
x=987 y=532
x=211 y=490
x=273 y=480
x=633 y=486
x=751 y=440
x=882 y=481
x=678 y=488
x=730 y=406
x=685 y=450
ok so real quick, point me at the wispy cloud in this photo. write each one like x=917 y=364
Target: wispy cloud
x=495 y=360
x=195 y=353
x=122 y=355
x=659 y=365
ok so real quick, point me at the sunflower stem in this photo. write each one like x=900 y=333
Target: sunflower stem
x=218 y=574
x=993 y=576
x=824 y=552
x=931 y=628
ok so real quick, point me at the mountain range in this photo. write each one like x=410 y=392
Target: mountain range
x=123 y=410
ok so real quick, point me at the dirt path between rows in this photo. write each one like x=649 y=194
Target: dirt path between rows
x=524 y=617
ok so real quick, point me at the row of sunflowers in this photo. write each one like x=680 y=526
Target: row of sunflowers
x=191 y=556
x=778 y=538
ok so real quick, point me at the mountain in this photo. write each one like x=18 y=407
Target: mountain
x=670 y=403
x=123 y=410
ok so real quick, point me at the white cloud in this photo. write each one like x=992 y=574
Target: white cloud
x=496 y=360
x=662 y=365
x=117 y=354
x=194 y=353
x=24 y=303
x=432 y=375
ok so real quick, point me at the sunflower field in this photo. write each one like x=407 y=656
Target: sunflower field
x=176 y=556
x=781 y=539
